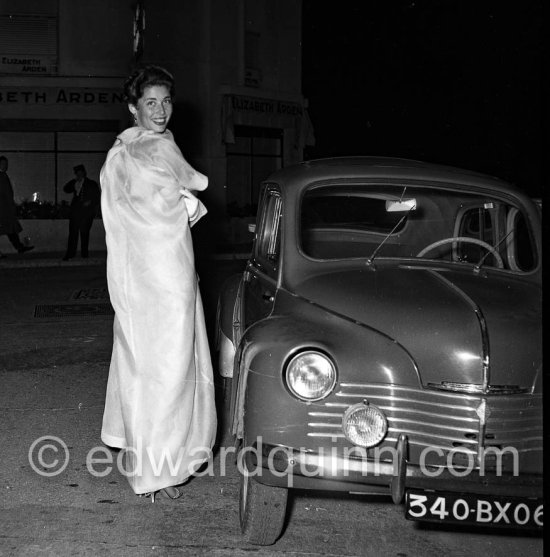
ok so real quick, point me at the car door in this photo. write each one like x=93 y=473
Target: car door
x=258 y=288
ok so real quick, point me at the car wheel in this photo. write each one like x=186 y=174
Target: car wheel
x=262 y=510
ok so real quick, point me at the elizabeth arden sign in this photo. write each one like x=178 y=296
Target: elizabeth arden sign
x=58 y=96
x=28 y=65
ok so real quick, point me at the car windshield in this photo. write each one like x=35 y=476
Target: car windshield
x=397 y=221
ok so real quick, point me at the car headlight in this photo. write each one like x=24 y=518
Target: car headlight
x=310 y=376
x=364 y=425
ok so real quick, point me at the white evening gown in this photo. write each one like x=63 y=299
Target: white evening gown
x=160 y=393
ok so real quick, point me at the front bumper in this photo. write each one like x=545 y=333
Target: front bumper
x=288 y=467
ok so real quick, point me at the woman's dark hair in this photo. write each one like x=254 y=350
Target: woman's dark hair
x=144 y=77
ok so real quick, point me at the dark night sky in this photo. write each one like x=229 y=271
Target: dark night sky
x=450 y=81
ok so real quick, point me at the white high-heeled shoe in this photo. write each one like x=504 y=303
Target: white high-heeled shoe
x=164 y=492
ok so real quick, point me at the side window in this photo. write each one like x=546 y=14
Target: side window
x=519 y=245
x=268 y=237
x=476 y=223
x=502 y=226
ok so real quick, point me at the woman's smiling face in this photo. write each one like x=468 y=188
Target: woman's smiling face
x=154 y=109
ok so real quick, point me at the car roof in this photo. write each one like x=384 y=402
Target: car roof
x=385 y=167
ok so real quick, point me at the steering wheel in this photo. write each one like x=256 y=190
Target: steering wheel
x=488 y=247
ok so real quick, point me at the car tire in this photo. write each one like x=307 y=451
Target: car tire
x=262 y=510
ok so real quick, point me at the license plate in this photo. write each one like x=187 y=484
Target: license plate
x=482 y=510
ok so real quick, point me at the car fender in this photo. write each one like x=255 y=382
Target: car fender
x=225 y=319
x=270 y=342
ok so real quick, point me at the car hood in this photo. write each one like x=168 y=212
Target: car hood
x=458 y=327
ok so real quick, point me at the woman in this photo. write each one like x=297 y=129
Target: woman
x=160 y=393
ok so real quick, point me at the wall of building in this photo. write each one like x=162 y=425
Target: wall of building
x=95 y=38
x=237 y=64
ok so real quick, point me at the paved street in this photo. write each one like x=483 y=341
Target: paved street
x=55 y=342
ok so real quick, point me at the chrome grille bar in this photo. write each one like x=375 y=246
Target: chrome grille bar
x=438 y=419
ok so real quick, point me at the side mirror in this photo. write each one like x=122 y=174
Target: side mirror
x=252 y=227
x=404 y=205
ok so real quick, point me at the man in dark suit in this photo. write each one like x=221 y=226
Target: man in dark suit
x=9 y=225
x=84 y=206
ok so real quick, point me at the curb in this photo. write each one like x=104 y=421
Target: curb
x=53 y=261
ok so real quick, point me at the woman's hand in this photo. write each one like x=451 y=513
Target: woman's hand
x=195 y=209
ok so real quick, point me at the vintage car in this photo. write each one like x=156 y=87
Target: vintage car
x=385 y=337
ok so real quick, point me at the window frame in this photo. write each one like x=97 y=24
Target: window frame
x=268 y=238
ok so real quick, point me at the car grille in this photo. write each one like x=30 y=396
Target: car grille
x=438 y=419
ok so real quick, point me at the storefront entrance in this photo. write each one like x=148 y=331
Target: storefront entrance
x=255 y=154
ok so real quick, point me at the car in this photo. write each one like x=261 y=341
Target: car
x=385 y=337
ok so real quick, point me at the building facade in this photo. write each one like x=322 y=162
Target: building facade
x=239 y=112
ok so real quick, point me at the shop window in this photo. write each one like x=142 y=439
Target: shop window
x=256 y=153
x=42 y=162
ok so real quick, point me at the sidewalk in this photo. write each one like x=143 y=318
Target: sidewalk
x=49 y=259
x=54 y=258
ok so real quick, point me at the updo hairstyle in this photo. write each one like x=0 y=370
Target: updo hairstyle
x=144 y=77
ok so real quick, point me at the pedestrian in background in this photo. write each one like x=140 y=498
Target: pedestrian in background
x=9 y=225
x=84 y=207
x=160 y=393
